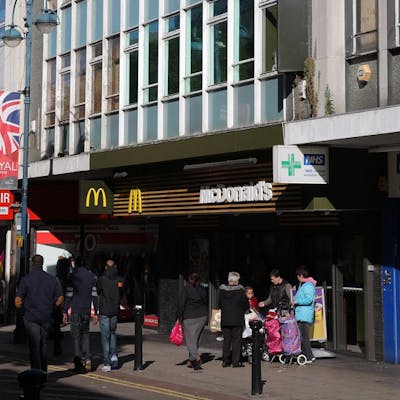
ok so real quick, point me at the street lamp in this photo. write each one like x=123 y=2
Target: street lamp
x=12 y=37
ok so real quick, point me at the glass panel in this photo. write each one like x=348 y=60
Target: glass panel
x=270 y=39
x=150 y=10
x=193 y=84
x=194 y=108
x=171 y=119
x=51 y=85
x=246 y=30
x=217 y=109
x=66 y=29
x=66 y=60
x=171 y=5
x=133 y=77
x=81 y=23
x=97 y=24
x=132 y=15
x=244 y=71
x=50 y=143
x=2 y=11
x=244 y=105
x=95 y=134
x=64 y=138
x=52 y=43
x=113 y=73
x=114 y=16
x=366 y=22
x=50 y=118
x=112 y=130
x=133 y=37
x=271 y=100
x=97 y=50
x=173 y=66
x=153 y=53
x=65 y=95
x=131 y=126
x=80 y=76
x=96 y=88
x=150 y=121
x=190 y=2
x=366 y=42
x=79 y=128
x=173 y=23
x=219 y=53
x=79 y=112
x=218 y=7
x=195 y=35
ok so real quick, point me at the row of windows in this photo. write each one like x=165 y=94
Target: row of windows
x=101 y=80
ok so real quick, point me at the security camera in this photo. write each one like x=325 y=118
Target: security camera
x=302 y=86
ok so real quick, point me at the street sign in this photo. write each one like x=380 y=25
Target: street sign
x=6 y=199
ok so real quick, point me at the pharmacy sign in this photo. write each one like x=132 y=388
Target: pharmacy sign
x=301 y=164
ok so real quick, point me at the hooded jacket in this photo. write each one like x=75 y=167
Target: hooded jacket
x=305 y=302
x=233 y=304
x=110 y=290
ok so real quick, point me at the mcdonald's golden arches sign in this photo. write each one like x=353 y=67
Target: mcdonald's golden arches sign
x=95 y=197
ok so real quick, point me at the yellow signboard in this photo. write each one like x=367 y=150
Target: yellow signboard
x=19 y=240
x=135 y=201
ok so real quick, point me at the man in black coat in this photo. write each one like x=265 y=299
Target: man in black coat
x=233 y=304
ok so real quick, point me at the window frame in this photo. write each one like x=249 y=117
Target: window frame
x=167 y=37
x=264 y=5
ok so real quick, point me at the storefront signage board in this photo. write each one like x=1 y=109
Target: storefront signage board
x=301 y=164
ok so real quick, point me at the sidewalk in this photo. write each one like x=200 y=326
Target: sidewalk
x=343 y=378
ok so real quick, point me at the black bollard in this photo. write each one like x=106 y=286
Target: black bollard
x=256 y=384
x=138 y=364
x=32 y=381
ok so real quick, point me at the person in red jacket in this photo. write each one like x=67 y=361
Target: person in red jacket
x=253 y=302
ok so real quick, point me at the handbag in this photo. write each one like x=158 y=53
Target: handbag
x=176 y=335
x=215 y=321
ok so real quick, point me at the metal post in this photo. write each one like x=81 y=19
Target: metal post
x=138 y=364
x=256 y=384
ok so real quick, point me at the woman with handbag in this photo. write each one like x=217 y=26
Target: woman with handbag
x=193 y=310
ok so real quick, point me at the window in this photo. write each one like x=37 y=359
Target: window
x=79 y=129
x=114 y=12
x=217 y=109
x=64 y=140
x=361 y=21
x=80 y=83
x=131 y=126
x=132 y=14
x=171 y=119
x=218 y=7
x=150 y=10
x=112 y=121
x=95 y=133
x=151 y=63
x=49 y=153
x=96 y=67
x=2 y=11
x=51 y=92
x=194 y=49
x=97 y=23
x=243 y=105
x=81 y=11
x=172 y=55
x=270 y=38
x=66 y=29
x=65 y=86
x=171 y=5
x=113 y=74
x=132 y=60
x=244 y=40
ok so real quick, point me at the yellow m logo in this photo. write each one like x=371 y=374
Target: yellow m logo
x=135 y=201
x=96 y=194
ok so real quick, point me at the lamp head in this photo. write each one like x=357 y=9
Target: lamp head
x=12 y=36
x=46 y=21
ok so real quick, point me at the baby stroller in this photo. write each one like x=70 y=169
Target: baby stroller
x=247 y=343
x=291 y=341
x=272 y=328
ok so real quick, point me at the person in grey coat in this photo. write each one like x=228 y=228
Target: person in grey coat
x=233 y=304
x=193 y=310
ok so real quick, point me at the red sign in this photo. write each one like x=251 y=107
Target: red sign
x=6 y=199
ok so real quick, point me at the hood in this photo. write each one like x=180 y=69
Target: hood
x=231 y=288
x=312 y=280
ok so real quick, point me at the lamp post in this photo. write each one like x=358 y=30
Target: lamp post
x=12 y=37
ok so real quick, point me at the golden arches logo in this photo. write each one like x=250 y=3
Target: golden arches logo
x=96 y=195
x=135 y=201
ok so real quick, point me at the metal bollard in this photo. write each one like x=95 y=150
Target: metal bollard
x=256 y=383
x=138 y=364
x=32 y=381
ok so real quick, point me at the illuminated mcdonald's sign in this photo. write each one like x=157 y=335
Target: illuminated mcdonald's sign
x=135 y=201
x=95 y=197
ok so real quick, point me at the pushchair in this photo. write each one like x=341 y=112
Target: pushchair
x=272 y=329
x=247 y=343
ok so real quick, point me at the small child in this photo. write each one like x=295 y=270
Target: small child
x=253 y=302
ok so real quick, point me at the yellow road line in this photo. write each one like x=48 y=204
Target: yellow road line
x=147 y=388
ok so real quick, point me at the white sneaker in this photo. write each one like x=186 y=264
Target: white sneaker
x=309 y=361
x=106 y=368
x=114 y=362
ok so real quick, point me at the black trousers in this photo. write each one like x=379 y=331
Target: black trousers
x=80 y=335
x=232 y=341
x=37 y=333
x=304 y=328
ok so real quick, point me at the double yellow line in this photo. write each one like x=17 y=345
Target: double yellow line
x=133 y=385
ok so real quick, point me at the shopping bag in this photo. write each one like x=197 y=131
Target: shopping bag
x=215 y=321
x=176 y=335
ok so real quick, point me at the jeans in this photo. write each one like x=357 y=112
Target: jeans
x=80 y=335
x=37 y=333
x=108 y=327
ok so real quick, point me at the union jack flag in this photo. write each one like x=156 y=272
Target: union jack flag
x=9 y=122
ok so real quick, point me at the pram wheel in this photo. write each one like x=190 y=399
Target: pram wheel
x=265 y=355
x=282 y=359
x=301 y=359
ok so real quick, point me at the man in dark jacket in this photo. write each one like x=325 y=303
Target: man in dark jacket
x=233 y=304
x=80 y=295
x=109 y=289
x=38 y=294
